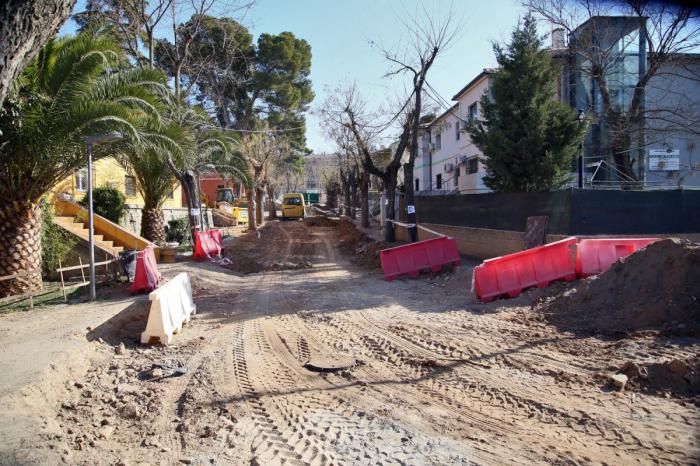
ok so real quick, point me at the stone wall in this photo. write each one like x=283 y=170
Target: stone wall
x=131 y=220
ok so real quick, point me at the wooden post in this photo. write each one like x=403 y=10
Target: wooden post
x=82 y=272
x=63 y=286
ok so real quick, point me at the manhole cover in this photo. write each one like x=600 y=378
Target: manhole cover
x=323 y=363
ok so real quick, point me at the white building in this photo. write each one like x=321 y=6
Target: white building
x=448 y=161
x=471 y=169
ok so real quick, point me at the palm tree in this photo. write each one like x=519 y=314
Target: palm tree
x=68 y=91
x=211 y=145
x=154 y=180
x=187 y=140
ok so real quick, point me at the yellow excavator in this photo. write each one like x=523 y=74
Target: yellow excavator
x=227 y=203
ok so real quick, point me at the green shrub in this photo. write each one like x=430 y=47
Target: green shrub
x=107 y=202
x=178 y=230
x=56 y=243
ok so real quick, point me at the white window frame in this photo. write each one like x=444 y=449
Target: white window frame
x=81 y=180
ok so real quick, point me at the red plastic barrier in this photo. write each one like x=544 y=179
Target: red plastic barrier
x=410 y=259
x=594 y=256
x=510 y=275
x=207 y=244
x=146 y=278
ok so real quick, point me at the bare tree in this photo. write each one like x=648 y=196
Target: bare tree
x=353 y=175
x=261 y=149
x=666 y=32
x=429 y=36
x=356 y=121
x=24 y=28
x=134 y=22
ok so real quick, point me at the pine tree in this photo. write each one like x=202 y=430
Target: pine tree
x=528 y=138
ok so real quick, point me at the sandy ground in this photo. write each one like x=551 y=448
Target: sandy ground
x=439 y=379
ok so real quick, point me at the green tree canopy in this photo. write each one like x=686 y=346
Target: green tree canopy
x=244 y=83
x=529 y=138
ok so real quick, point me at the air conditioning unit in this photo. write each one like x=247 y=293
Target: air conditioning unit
x=463 y=159
x=449 y=167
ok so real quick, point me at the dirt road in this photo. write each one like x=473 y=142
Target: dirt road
x=440 y=378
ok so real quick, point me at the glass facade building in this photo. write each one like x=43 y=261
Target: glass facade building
x=614 y=49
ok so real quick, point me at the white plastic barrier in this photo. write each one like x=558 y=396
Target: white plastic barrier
x=171 y=306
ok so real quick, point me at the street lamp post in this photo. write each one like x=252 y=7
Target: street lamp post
x=89 y=142
x=581 y=161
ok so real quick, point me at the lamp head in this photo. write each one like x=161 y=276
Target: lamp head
x=104 y=138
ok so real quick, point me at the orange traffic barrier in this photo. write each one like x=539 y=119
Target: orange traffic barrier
x=509 y=275
x=146 y=278
x=594 y=256
x=410 y=259
x=207 y=244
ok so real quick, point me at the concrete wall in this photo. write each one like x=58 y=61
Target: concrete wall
x=483 y=243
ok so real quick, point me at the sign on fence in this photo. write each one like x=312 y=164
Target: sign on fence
x=664 y=159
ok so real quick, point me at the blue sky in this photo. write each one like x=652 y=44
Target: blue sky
x=340 y=33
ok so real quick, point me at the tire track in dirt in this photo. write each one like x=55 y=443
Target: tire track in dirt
x=461 y=397
x=601 y=424
x=353 y=431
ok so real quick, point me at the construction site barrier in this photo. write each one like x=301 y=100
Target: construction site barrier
x=171 y=307
x=509 y=275
x=207 y=244
x=594 y=256
x=410 y=259
x=147 y=278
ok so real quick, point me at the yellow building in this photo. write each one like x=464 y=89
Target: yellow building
x=109 y=172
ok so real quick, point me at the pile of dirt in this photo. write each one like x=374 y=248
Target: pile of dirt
x=656 y=289
x=257 y=251
x=363 y=249
x=321 y=221
x=676 y=377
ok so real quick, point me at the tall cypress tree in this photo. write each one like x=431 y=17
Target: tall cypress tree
x=528 y=137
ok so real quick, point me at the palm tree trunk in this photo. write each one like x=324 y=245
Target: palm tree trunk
x=20 y=247
x=153 y=225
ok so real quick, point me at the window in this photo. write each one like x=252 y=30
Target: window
x=456 y=177
x=472 y=165
x=457 y=130
x=81 y=179
x=129 y=186
x=438 y=181
x=171 y=195
x=417 y=184
x=473 y=113
x=292 y=201
x=438 y=141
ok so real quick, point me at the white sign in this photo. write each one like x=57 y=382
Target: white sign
x=194 y=211
x=411 y=209
x=664 y=160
